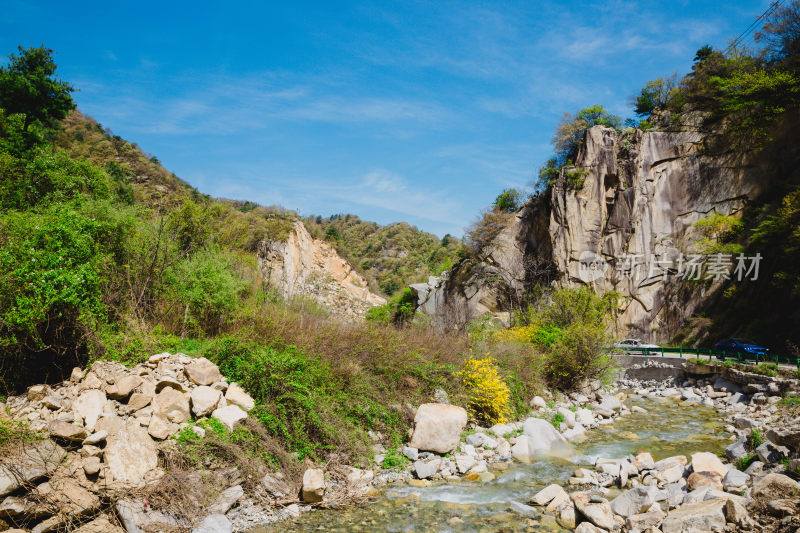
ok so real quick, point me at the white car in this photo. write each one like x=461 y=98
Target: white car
x=635 y=346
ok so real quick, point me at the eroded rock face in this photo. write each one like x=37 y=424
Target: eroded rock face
x=302 y=265
x=438 y=427
x=642 y=193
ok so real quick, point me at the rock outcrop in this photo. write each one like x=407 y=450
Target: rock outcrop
x=304 y=266
x=632 y=196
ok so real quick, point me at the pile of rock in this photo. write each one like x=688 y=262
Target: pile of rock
x=672 y=495
x=106 y=426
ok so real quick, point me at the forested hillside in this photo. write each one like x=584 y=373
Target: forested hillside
x=391 y=257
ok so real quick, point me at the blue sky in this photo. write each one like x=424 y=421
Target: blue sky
x=414 y=111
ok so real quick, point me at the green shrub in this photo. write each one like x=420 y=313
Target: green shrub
x=296 y=397
x=49 y=177
x=208 y=290
x=743 y=462
x=557 y=419
x=50 y=290
x=755 y=439
x=399 y=310
x=15 y=431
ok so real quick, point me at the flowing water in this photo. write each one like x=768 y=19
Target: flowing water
x=666 y=429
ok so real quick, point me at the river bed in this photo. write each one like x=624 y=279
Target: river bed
x=666 y=429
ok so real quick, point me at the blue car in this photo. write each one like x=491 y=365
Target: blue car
x=744 y=347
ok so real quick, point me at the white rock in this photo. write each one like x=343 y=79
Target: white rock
x=202 y=372
x=548 y=494
x=229 y=416
x=204 y=400
x=94 y=438
x=543 y=438
x=411 y=453
x=696 y=518
x=215 y=523
x=171 y=405
x=537 y=402
x=464 y=462
x=89 y=406
x=130 y=454
x=438 y=427
x=569 y=416
x=313 y=485
x=237 y=396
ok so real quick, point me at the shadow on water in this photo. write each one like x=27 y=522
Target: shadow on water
x=666 y=429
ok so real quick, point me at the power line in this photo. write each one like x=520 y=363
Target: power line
x=742 y=36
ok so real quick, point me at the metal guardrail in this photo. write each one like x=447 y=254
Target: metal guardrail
x=739 y=357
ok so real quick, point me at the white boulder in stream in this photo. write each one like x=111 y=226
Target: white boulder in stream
x=539 y=437
x=438 y=427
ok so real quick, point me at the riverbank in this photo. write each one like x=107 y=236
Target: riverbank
x=170 y=442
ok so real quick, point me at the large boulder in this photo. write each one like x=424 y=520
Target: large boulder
x=313 y=485
x=634 y=501
x=544 y=438
x=237 y=396
x=123 y=387
x=438 y=427
x=160 y=428
x=205 y=400
x=701 y=517
x=64 y=430
x=708 y=462
x=35 y=460
x=171 y=405
x=774 y=486
x=229 y=416
x=789 y=437
x=701 y=479
x=130 y=454
x=139 y=517
x=598 y=512
x=65 y=495
x=548 y=494
x=203 y=372
x=737 y=450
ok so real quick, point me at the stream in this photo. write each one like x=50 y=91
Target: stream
x=666 y=429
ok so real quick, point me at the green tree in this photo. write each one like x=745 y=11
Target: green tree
x=571 y=129
x=781 y=35
x=656 y=93
x=508 y=200
x=28 y=87
x=703 y=53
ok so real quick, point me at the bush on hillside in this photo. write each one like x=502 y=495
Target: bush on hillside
x=50 y=290
x=569 y=327
x=208 y=291
x=488 y=396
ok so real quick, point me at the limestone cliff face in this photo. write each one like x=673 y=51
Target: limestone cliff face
x=640 y=195
x=304 y=266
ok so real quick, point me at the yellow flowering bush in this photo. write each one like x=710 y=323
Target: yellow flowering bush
x=489 y=398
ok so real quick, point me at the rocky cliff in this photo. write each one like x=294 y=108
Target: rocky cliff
x=631 y=200
x=304 y=266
